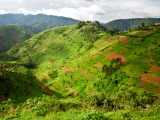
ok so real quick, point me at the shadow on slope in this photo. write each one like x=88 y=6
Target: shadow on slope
x=20 y=86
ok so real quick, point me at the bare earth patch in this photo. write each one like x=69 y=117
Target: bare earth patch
x=52 y=60
x=98 y=65
x=151 y=78
x=115 y=56
x=66 y=69
x=155 y=69
x=124 y=41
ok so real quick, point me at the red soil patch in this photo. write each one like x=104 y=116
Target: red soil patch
x=124 y=41
x=43 y=45
x=70 y=71
x=155 y=69
x=15 y=39
x=100 y=53
x=66 y=69
x=2 y=98
x=46 y=77
x=57 y=64
x=48 y=41
x=60 y=51
x=61 y=41
x=109 y=48
x=46 y=90
x=52 y=60
x=151 y=78
x=57 y=45
x=115 y=56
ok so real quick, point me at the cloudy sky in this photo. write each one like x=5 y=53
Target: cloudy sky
x=101 y=10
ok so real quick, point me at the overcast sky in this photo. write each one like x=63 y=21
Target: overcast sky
x=101 y=10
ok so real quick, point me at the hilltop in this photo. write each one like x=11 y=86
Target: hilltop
x=79 y=72
x=11 y=35
x=125 y=24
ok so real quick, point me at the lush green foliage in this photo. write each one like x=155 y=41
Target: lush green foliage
x=38 y=26
x=125 y=24
x=82 y=81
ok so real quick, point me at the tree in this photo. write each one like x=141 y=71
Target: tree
x=142 y=24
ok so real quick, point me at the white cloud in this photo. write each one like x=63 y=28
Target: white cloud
x=13 y=1
x=83 y=13
x=53 y=4
x=2 y=12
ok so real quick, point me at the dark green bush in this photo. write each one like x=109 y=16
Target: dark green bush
x=54 y=74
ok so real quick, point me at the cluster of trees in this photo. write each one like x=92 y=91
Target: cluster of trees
x=108 y=70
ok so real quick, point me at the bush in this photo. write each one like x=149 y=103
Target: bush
x=54 y=74
x=89 y=46
x=80 y=24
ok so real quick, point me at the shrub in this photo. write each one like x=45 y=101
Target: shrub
x=89 y=46
x=54 y=74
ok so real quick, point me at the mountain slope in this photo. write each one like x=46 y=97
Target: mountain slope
x=20 y=19
x=77 y=65
x=37 y=26
x=125 y=24
x=12 y=35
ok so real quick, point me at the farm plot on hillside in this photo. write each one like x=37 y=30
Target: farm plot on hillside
x=141 y=33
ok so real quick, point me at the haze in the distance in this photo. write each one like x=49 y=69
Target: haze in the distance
x=101 y=10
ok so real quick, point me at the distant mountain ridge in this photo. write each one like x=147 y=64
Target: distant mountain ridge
x=125 y=24
x=25 y=20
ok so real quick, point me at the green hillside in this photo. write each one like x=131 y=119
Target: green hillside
x=76 y=72
x=125 y=24
x=12 y=35
x=38 y=26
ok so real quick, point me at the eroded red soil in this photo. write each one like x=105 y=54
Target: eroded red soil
x=155 y=69
x=115 y=56
x=52 y=60
x=125 y=41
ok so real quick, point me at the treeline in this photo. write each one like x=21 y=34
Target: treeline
x=125 y=24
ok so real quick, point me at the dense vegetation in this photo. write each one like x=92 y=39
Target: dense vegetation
x=38 y=26
x=12 y=35
x=125 y=24
x=36 y=21
x=83 y=82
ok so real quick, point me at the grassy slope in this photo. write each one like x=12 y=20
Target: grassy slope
x=81 y=83
x=7 y=34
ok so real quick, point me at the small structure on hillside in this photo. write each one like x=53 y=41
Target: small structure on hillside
x=122 y=37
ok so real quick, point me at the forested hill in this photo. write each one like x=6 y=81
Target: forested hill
x=125 y=24
x=38 y=26
x=21 y=19
x=12 y=35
